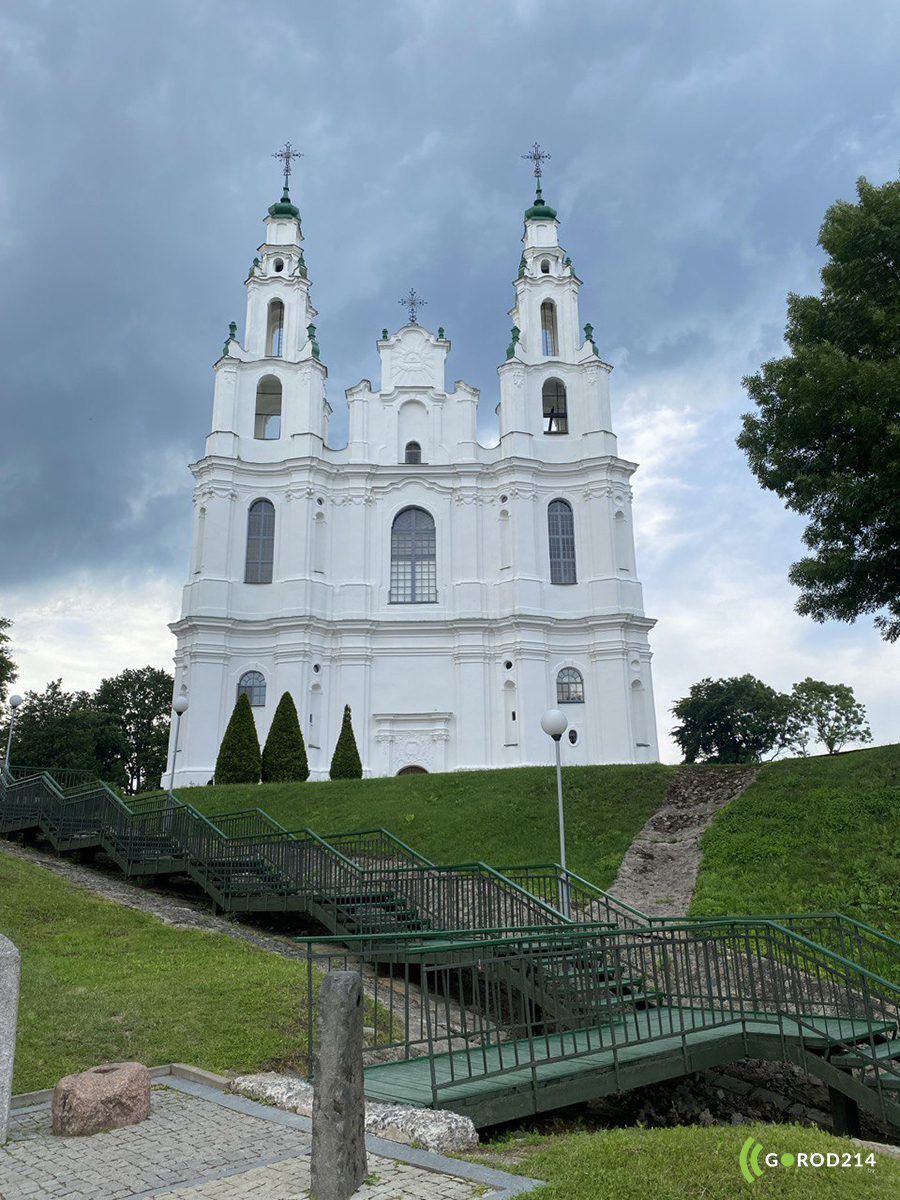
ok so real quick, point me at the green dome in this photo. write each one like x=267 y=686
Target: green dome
x=284 y=208
x=540 y=211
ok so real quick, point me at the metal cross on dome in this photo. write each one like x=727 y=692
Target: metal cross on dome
x=537 y=156
x=412 y=302
x=286 y=155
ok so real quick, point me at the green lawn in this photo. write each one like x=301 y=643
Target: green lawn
x=102 y=983
x=810 y=834
x=692 y=1161
x=499 y=817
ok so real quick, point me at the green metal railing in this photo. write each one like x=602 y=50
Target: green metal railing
x=504 y=1015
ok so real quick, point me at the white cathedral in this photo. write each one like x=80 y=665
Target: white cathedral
x=448 y=591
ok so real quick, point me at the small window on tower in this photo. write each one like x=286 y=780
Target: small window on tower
x=279 y=264
x=556 y=417
x=413 y=452
x=275 y=330
x=549 y=341
x=545 y=266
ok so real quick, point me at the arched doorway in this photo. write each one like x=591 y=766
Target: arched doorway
x=412 y=770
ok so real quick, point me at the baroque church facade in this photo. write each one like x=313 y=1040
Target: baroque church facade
x=448 y=591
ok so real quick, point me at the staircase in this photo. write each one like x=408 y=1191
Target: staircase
x=520 y=1008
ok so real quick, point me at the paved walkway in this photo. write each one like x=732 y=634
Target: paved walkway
x=201 y=1144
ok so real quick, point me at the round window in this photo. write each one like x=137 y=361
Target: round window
x=503 y=499
x=573 y=736
x=508 y=665
x=316 y=668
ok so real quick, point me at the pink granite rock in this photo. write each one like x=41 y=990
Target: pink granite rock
x=103 y=1098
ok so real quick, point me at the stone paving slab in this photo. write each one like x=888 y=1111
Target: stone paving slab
x=203 y=1144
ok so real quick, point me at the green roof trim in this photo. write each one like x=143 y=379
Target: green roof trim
x=284 y=208
x=540 y=211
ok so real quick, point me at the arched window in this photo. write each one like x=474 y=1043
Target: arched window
x=545 y=266
x=549 y=340
x=275 y=330
x=260 y=542
x=413 y=558
x=556 y=417
x=268 y=408
x=562 y=542
x=569 y=687
x=413 y=452
x=253 y=686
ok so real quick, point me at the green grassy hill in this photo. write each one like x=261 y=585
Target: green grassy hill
x=102 y=983
x=810 y=834
x=499 y=817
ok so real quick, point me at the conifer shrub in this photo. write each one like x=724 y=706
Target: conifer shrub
x=284 y=756
x=346 y=763
x=239 y=759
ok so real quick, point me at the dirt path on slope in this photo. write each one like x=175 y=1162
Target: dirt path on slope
x=659 y=871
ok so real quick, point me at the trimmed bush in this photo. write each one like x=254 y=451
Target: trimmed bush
x=284 y=755
x=346 y=763
x=239 y=759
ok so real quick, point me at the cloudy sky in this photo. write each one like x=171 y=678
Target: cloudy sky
x=695 y=145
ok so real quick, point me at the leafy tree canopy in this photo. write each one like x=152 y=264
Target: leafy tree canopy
x=141 y=698
x=7 y=666
x=735 y=720
x=67 y=730
x=832 y=712
x=825 y=436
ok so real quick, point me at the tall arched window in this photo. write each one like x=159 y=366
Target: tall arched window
x=268 y=408
x=413 y=558
x=556 y=416
x=275 y=330
x=260 y=542
x=413 y=452
x=549 y=340
x=562 y=542
x=569 y=686
x=253 y=686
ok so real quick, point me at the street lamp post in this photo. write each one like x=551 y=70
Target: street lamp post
x=14 y=702
x=179 y=708
x=554 y=723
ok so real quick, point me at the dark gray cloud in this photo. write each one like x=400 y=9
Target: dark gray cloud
x=695 y=148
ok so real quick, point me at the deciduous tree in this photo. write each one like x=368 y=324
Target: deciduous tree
x=832 y=712
x=141 y=698
x=825 y=436
x=736 y=720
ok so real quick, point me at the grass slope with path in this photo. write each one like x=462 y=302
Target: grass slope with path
x=810 y=834
x=692 y=1161
x=500 y=817
x=102 y=983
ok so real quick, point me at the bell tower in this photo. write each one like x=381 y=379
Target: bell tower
x=270 y=392
x=554 y=387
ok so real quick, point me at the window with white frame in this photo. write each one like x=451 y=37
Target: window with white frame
x=260 y=542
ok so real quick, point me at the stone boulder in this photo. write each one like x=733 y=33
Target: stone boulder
x=105 y=1097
